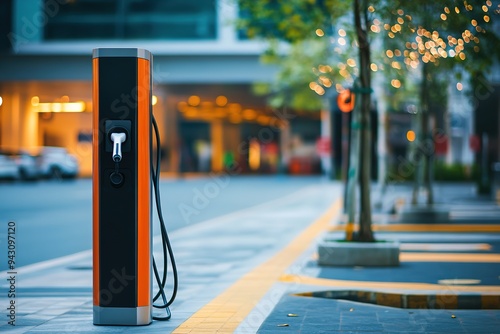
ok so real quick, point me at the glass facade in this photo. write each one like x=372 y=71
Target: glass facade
x=5 y=23
x=133 y=19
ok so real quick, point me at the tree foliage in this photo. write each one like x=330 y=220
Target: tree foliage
x=302 y=79
x=441 y=40
x=452 y=35
x=290 y=20
x=415 y=40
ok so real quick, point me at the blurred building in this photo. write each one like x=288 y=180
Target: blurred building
x=209 y=119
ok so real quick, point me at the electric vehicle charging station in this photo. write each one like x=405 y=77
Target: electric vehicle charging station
x=121 y=186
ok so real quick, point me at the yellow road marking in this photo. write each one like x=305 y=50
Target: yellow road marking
x=225 y=312
x=370 y=285
x=428 y=228
x=442 y=257
x=459 y=281
x=444 y=247
x=449 y=257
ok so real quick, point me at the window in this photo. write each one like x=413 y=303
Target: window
x=133 y=19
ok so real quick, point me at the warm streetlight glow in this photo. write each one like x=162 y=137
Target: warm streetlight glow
x=249 y=114
x=221 y=100
x=325 y=68
x=410 y=135
x=396 y=65
x=395 y=83
x=344 y=73
x=254 y=154
x=325 y=81
x=341 y=41
x=389 y=53
x=342 y=32
x=319 y=90
x=154 y=100
x=78 y=106
x=374 y=67
x=35 y=100
x=234 y=107
x=320 y=33
x=194 y=100
x=459 y=86
x=1 y=101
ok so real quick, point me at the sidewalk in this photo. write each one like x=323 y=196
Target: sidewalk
x=255 y=271
x=448 y=280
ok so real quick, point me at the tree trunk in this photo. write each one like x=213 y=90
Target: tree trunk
x=353 y=172
x=365 y=217
x=416 y=158
x=424 y=151
x=428 y=160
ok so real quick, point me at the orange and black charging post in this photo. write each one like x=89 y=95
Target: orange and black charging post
x=122 y=247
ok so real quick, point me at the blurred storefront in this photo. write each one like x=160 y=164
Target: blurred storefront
x=208 y=116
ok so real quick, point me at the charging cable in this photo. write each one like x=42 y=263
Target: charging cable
x=166 y=246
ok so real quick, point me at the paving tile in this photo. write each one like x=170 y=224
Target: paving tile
x=210 y=263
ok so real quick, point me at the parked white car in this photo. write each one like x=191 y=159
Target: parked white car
x=26 y=163
x=8 y=167
x=56 y=162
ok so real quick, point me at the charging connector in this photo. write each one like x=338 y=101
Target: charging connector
x=118 y=139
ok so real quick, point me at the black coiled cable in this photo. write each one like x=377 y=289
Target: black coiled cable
x=166 y=247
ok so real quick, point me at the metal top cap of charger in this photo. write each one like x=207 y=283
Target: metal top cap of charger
x=121 y=52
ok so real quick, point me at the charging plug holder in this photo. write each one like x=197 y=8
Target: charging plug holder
x=118 y=126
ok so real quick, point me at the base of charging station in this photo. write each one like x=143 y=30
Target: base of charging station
x=126 y=316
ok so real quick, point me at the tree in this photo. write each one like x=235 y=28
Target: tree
x=297 y=20
x=413 y=34
x=438 y=37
